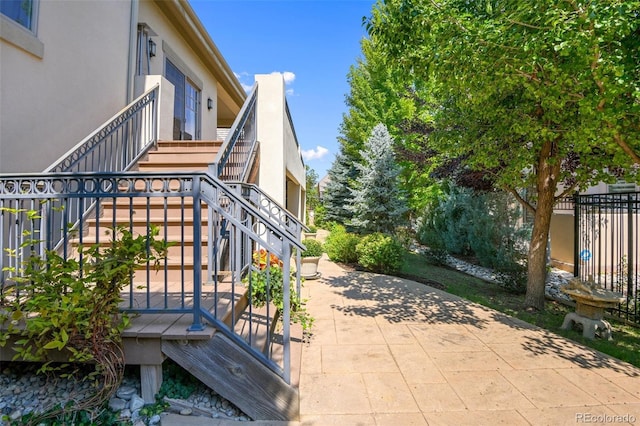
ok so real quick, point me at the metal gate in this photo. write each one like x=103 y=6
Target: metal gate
x=606 y=245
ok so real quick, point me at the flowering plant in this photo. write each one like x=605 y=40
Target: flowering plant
x=267 y=286
x=260 y=259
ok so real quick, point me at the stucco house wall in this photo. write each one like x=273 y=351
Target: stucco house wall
x=50 y=99
x=279 y=149
x=79 y=68
x=198 y=59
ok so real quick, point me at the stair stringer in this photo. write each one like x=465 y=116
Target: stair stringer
x=237 y=376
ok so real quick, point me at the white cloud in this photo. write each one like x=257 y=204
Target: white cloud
x=314 y=154
x=287 y=75
x=245 y=80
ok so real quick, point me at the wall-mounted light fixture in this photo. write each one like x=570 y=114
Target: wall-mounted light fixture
x=152 y=48
x=209 y=103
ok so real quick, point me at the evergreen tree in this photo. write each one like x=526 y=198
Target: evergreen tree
x=378 y=203
x=337 y=194
x=313 y=198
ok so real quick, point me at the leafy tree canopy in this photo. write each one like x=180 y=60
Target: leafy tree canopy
x=542 y=95
x=509 y=77
x=380 y=94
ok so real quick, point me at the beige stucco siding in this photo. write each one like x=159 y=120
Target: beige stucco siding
x=171 y=45
x=49 y=104
x=196 y=55
x=279 y=150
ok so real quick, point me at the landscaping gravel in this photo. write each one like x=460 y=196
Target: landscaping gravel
x=22 y=391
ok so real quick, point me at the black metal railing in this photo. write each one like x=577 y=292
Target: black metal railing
x=233 y=159
x=607 y=246
x=193 y=211
x=117 y=144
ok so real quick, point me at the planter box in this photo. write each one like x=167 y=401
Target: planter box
x=309 y=267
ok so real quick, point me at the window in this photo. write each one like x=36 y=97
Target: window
x=20 y=11
x=186 y=116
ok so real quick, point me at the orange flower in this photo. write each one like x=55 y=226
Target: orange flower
x=260 y=259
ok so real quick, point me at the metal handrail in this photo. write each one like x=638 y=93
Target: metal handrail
x=235 y=151
x=119 y=143
x=271 y=208
x=58 y=197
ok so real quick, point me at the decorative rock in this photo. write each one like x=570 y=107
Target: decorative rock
x=117 y=404
x=154 y=420
x=136 y=403
x=186 y=412
x=16 y=415
x=126 y=392
x=125 y=414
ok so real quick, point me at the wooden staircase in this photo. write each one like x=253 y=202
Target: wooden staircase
x=216 y=360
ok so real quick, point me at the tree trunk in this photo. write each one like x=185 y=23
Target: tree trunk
x=548 y=171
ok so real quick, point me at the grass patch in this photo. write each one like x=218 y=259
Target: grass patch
x=626 y=343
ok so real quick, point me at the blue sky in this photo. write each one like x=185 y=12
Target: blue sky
x=311 y=42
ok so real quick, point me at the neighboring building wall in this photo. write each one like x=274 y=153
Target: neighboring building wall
x=562 y=241
x=279 y=148
x=51 y=101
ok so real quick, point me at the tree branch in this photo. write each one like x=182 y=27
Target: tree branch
x=513 y=21
x=566 y=192
x=626 y=148
x=521 y=200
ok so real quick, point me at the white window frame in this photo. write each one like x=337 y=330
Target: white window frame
x=17 y=34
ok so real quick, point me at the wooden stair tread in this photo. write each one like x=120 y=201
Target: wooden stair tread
x=175 y=326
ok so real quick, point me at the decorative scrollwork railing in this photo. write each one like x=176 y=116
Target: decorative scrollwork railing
x=118 y=143
x=32 y=207
x=269 y=207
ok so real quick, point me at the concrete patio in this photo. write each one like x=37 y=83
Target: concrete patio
x=389 y=351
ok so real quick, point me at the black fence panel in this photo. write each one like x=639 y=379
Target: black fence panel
x=606 y=246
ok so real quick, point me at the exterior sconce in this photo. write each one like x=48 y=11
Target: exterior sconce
x=209 y=103
x=152 y=48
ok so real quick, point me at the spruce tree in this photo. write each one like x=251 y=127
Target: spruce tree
x=378 y=204
x=337 y=194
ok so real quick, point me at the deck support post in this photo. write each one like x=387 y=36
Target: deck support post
x=150 y=381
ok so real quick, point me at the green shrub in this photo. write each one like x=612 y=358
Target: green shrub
x=486 y=226
x=341 y=245
x=314 y=248
x=312 y=229
x=380 y=253
x=320 y=213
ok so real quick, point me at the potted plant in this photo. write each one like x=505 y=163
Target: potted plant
x=310 y=258
x=312 y=234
